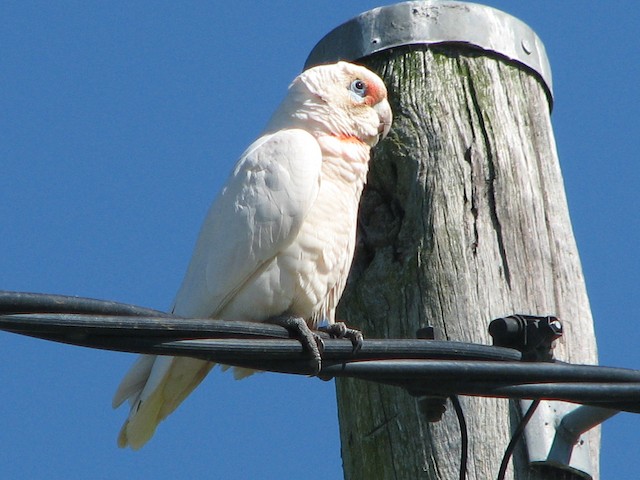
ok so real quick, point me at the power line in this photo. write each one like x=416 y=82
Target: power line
x=423 y=367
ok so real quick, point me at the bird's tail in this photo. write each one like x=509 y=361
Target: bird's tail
x=155 y=386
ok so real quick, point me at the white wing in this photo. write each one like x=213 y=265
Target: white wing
x=257 y=214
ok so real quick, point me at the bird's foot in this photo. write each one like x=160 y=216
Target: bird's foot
x=310 y=341
x=340 y=330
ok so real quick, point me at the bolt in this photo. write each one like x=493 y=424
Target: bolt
x=432 y=408
x=556 y=326
x=426 y=333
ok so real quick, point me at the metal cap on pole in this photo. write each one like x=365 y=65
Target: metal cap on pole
x=433 y=23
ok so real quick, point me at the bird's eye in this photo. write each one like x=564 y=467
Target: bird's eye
x=359 y=88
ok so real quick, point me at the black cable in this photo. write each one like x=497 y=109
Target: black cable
x=517 y=434
x=58 y=326
x=24 y=302
x=499 y=373
x=404 y=363
x=464 y=436
x=423 y=367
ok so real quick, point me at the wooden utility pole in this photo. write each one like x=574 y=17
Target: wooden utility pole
x=464 y=219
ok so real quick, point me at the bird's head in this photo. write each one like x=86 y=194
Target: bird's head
x=343 y=99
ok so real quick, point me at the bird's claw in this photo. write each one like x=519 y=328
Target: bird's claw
x=312 y=342
x=340 y=330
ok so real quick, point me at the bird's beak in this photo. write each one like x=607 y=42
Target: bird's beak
x=383 y=109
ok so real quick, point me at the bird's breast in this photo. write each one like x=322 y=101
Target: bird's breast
x=307 y=277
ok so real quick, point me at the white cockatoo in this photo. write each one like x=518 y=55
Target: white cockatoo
x=278 y=241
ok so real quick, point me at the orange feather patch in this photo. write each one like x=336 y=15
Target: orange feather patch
x=349 y=138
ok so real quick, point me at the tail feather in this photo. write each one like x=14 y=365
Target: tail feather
x=239 y=373
x=134 y=381
x=155 y=386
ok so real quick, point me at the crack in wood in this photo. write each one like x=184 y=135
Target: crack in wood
x=469 y=158
x=491 y=180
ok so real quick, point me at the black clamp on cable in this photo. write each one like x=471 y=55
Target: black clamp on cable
x=530 y=334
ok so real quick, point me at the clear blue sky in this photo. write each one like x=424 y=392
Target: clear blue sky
x=119 y=122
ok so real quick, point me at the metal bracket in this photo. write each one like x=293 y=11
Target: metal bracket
x=556 y=435
x=431 y=23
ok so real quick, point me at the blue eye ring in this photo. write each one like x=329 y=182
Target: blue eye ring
x=358 y=87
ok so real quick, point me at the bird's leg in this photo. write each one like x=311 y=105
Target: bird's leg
x=309 y=340
x=340 y=330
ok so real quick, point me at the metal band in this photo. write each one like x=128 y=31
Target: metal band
x=435 y=22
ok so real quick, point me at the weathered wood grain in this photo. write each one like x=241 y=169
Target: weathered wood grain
x=464 y=219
